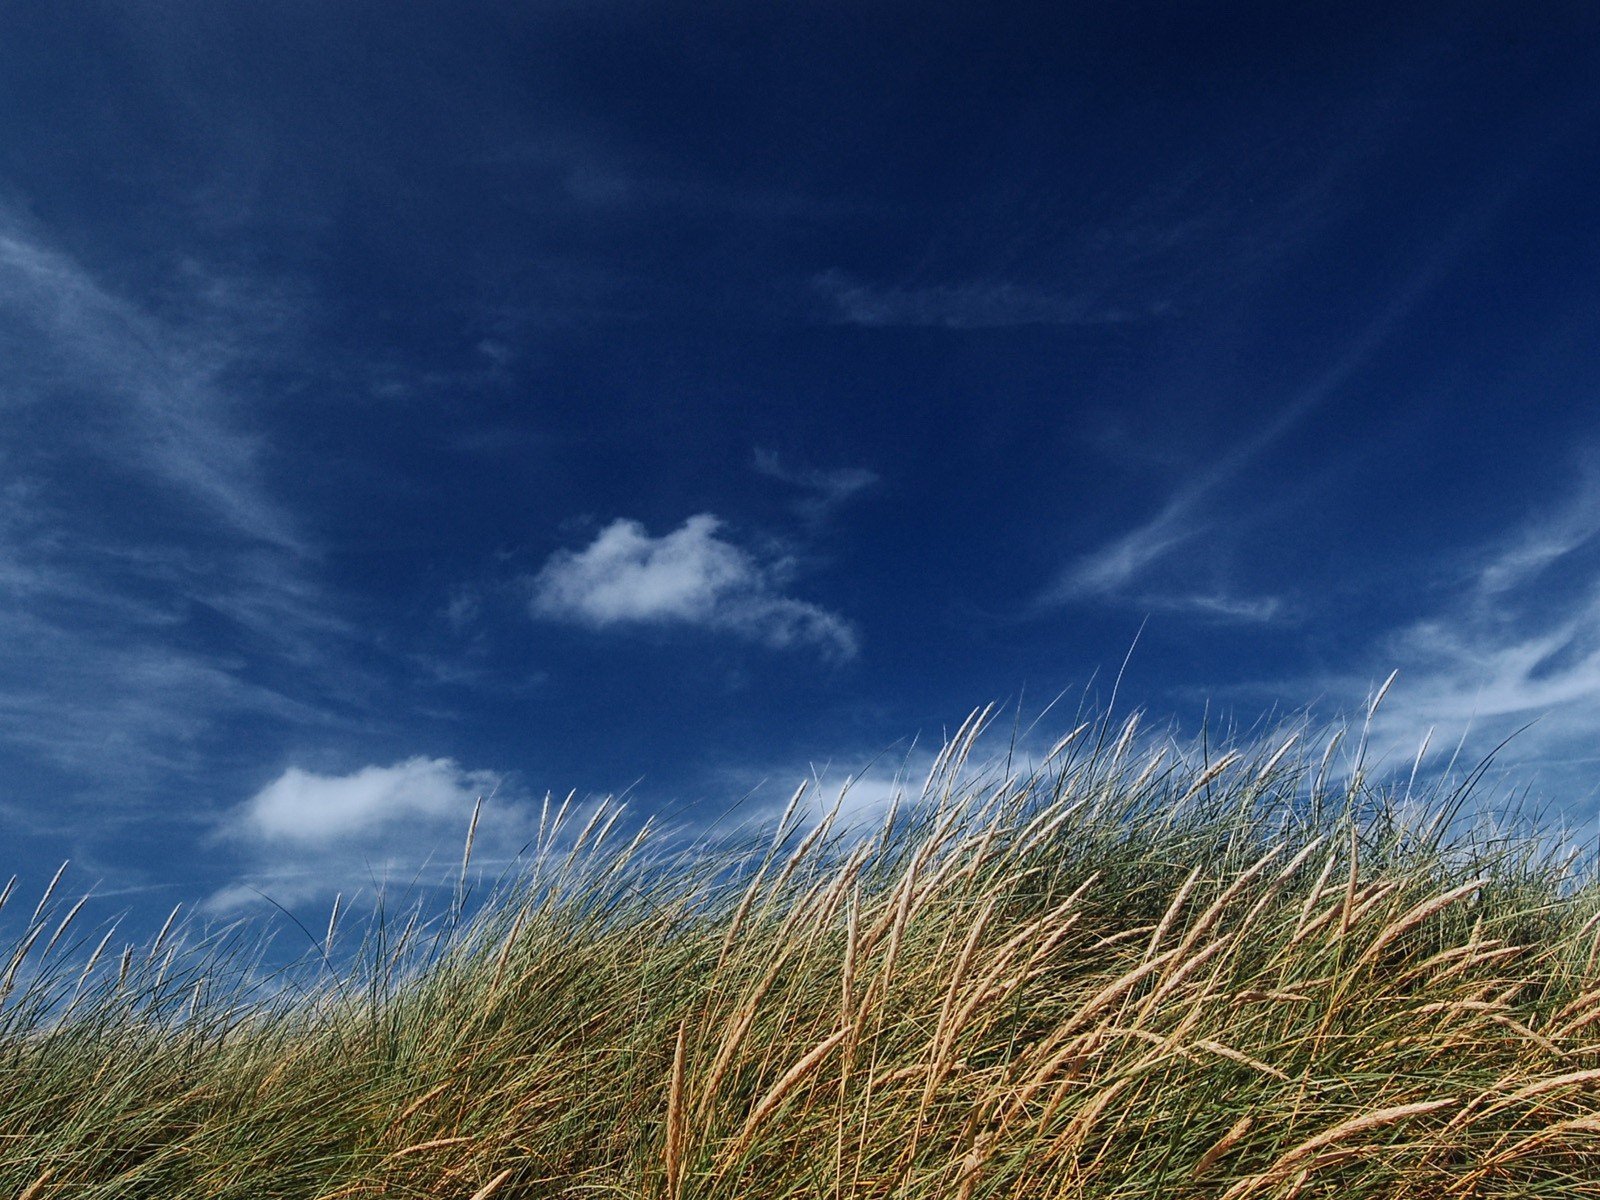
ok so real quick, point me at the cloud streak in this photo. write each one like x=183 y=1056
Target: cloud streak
x=982 y=304
x=151 y=585
x=826 y=489
x=1107 y=573
x=1517 y=645
x=692 y=577
x=156 y=389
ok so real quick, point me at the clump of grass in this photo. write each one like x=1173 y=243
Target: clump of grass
x=1113 y=974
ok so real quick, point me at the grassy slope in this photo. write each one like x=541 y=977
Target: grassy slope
x=1117 y=976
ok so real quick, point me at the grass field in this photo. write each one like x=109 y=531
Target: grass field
x=1117 y=973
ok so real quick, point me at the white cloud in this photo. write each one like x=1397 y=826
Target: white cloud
x=828 y=487
x=1220 y=606
x=689 y=577
x=464 y=607
x=1518 y=644
x=152 y=585
x=300 y=806
x=163 y=413
x=1460 y=674
x=1106 y=573
x=1545 y=541
x=307 y=835
x=626 y=575
x=858 y=787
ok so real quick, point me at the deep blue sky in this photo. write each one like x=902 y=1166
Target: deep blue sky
x=401 y=400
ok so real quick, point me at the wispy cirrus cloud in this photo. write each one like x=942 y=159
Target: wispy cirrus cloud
x=692 y=577
x=825 y=489
x=974 y=304
x=1111 y=571
x=151 y=582
x=1514 y=647
x=1555 y=538
x=155 y=392
x=1219 y=606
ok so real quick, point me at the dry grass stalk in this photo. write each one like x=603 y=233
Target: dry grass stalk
x=675 y=1116
x=1222 y=1145
x=1251 y=995
x=1415 y=916
x=1517 y=1027
x=991 y=987
x=1491 y=1101
x=1551 y=1136
x=1289 y=1162
x=1579 y=1006
x=779 y=1091
x=1265 y=773
x=1114 y=991
x=754 y=889
x=734 y=1035
x=1173 y=908
x=847 y=973
x=1209 y=775
x=420 y=1147
x=1228 y=1052
x=1173 y=980
x=493 y=1185
x=1348 y=908
x=945 y=1030
x=415 y=1106
x=1069 y=1141
x=1314 y=896
x=1491 y=954
x=1213 y=914
x=1272 y=891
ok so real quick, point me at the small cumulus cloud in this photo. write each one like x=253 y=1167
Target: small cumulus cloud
x=300 y=806
x=692 y=577
x=306 y=834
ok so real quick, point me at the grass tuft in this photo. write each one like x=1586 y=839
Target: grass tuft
x=1254 y=977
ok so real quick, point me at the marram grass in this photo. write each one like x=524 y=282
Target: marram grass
x=1113 y=975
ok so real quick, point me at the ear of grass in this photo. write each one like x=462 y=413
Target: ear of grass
x=1291 y=1160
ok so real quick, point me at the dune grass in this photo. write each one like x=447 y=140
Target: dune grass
x=1118 y=973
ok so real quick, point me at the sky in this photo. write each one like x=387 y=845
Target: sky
x=401 y=404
